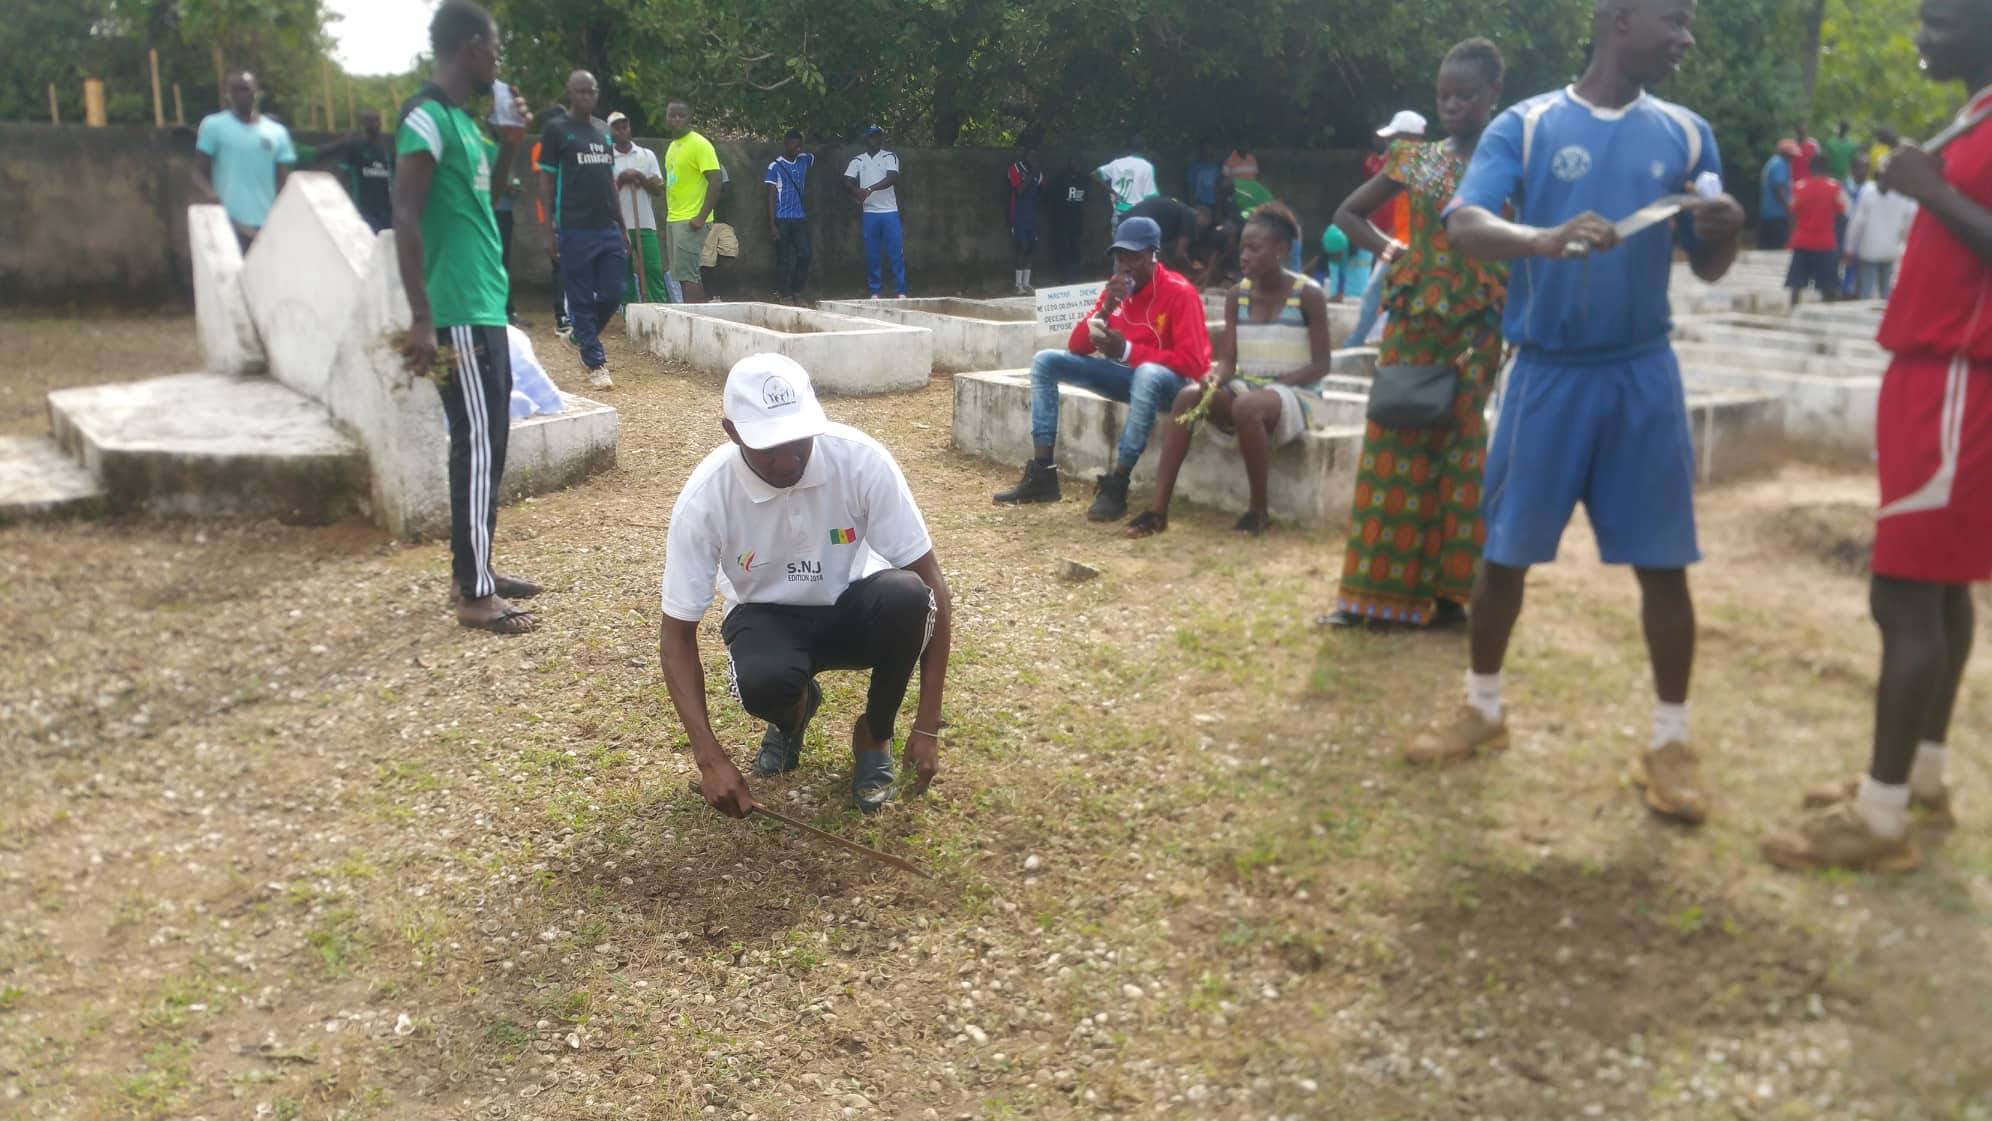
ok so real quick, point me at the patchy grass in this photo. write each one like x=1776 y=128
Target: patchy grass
x=290 y=844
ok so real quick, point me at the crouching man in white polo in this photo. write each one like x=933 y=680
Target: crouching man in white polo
x=814 y=540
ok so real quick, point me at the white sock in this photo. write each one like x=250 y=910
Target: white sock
x=1483 y=692
x=1027 y=278
x=1670 y=724
x=1885 y=808
x=1926 y=775
x=1020 y=278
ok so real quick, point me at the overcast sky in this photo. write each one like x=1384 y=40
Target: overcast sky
x=379 y=36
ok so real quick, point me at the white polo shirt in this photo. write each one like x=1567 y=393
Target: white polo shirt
x=638 y=213
x=870 y=170
x=851 y=515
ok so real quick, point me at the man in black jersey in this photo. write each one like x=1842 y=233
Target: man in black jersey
x=578 y=186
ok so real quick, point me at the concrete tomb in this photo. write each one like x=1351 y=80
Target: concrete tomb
x=341 y=427
x=842 y=354
x=968 y=334
x=229 y=343
x=1828 y=375
x=1312 y=479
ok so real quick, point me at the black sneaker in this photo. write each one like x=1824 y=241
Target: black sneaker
x=1039 y=484
x=780 y=752
x=1111 y=501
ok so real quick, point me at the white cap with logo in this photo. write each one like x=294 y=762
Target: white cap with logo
x=770 y=402
x=1405 y=123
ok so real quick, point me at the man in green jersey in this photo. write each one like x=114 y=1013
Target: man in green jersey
x=452 y=266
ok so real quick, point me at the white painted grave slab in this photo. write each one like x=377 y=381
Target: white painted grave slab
x=842 y=354
x=229 y=343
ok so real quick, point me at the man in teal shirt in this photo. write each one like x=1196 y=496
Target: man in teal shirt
x=241 y=158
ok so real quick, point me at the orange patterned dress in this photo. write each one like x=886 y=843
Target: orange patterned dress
x=1415 y=532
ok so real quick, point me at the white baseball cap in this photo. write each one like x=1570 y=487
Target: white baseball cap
x=618 y=115
x=770 y=402
x=1405 y=123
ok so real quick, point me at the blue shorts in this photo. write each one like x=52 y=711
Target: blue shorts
x=1615 y=437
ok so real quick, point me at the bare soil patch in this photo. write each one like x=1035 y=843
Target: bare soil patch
x=281 y=841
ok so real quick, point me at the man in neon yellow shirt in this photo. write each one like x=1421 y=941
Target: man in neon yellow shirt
x=691 y=188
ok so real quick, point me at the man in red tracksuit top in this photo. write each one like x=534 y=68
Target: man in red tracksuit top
x=1933 y=451
x=1148 y=346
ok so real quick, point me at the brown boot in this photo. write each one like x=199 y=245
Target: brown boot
x=1670 y=777
x=1935 y=812
x=1469 y=734
x=1839 y=837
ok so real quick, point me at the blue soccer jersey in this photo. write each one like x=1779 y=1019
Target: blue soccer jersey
x=1554 y=157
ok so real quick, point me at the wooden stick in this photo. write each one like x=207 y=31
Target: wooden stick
x=868 y=853
x=220 y=79
x=352 y=114
x=158 y=104
x=179 y=107
x=54 y=106
x=94 y=112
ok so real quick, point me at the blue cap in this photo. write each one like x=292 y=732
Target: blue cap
x=874 y=130
x=1138 y=233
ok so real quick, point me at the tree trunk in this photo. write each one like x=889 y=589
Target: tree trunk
x=1814 y=16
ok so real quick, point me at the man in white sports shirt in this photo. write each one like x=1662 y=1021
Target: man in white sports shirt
x=873 y=180
x=812 y=537
x=638 y=177
x=1128 y=179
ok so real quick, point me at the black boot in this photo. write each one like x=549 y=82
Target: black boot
x=1039 y=484
x=1110 y=504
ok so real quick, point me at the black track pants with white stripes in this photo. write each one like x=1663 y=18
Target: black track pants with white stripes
x=478 y=401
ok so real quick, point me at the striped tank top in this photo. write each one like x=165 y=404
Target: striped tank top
x=1267 y=350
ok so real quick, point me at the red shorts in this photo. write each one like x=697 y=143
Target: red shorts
x=1933 y=451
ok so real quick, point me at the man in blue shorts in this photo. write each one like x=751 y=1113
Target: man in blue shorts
x=1594 y=410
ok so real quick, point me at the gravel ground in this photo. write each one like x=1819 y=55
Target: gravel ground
x=281 y=841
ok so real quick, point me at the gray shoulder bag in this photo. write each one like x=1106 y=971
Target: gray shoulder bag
x=1413 y=396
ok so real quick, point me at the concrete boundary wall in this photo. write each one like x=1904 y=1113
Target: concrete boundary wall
x=97 y=217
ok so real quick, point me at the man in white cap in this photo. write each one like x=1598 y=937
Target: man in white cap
x=638 y=176
x=823 y=558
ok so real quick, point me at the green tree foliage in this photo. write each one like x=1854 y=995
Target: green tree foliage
x=1869 y=73
x=961 y=71
x=1751 y=95
x=65 y=41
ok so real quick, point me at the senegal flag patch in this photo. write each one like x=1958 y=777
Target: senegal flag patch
x=843 y=536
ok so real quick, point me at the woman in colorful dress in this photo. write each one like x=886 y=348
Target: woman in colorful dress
x=1415 y=532
x=1268 y=367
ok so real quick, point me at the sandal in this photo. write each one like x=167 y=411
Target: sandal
x=512 y=622
x=1349 y=620
x=1253 y=523
x=1147 y=524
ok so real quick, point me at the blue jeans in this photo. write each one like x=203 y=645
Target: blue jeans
x=1372 y=306
x=592 y=266
x=1147 y=390
x=882 y=234
x=1873 y=278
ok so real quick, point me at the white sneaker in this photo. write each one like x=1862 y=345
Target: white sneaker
x=598 y=378
x=900 y=296
x=876 y=296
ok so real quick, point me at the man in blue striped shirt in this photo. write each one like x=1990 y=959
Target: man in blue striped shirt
x=787 y=179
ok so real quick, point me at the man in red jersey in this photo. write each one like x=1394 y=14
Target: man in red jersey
x=1933 y=445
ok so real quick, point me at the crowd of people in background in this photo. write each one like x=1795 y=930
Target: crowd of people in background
x=1822 y=201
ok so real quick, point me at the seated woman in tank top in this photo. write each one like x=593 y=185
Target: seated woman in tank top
x=1267 y=371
